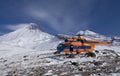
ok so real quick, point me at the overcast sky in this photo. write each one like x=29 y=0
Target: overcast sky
x=62 y=16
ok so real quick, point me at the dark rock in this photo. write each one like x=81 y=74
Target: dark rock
x=25 y=59
x=25 y=56
x=80 y=69
x=104 y=53
x=96 y=51
x=99 y=74
x=5 y=61
x=75 y=63
x=97 y=63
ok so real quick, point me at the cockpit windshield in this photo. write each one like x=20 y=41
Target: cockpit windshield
x=60 y=47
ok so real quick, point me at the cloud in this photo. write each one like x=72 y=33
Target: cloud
x=16 y=26
x=64 y=16
x=47 y=17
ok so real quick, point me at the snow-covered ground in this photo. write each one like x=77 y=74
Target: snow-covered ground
x=37 y=63
x=28 y=51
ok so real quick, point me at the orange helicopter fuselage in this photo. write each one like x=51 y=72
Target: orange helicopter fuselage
x=78 y=47
x=78 y=44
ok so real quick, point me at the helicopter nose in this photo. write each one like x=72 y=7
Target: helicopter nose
x=60 y=48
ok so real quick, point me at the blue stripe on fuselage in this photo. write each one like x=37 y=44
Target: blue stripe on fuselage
x=78 y=47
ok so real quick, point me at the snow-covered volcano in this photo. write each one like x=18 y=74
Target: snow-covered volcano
x=93 y=35
x=30 y=36
x=87 y=32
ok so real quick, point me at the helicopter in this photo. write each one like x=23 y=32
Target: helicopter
x=78 y=44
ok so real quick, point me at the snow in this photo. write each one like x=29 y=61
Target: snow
x=93 y=36
x=108 y=47
x=29 y=37
x=7 y=50
x=29 y=48
x=87 y=32
x=31 y=58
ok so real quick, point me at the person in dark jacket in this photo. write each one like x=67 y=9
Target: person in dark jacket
x=71 y=52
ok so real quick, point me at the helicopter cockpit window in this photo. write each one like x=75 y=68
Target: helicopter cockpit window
x=60 y=47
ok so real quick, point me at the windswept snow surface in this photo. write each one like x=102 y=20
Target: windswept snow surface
x=41 y=64
x=109 y=47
